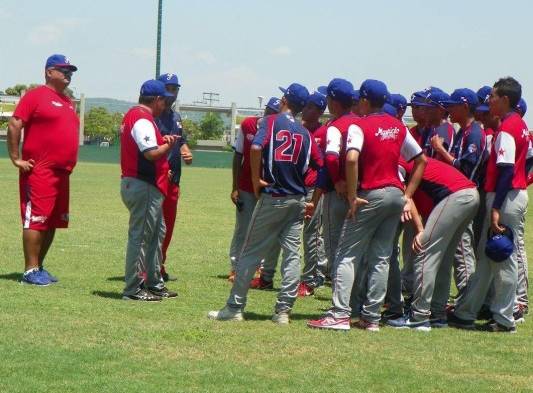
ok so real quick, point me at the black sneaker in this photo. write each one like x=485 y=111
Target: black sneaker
x=144 y=296
x=167 y=277
x=386 y=315
x=495 y=327
x=459 y=323
x=163 y=293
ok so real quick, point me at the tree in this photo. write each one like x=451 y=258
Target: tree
x=192 y=131
x=211 y=126
x=102 y=125
x=19 y=88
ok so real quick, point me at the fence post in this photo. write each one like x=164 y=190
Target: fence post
x=82 y=120
x=233 y=122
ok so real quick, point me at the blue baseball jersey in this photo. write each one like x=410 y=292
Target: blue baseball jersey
x=444 y=130
x=468 y=149
x=288 y=150
x=169 y=123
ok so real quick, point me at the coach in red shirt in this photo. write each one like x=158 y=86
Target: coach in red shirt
x=49 y=154
x=145 y=173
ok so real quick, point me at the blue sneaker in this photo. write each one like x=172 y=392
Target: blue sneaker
x=406 y=323
x=35 y=277
x=47 y=274
x=438 y=322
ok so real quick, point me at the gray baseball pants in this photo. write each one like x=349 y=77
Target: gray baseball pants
x=370 y=234
x=503 y=275
x=276 y=220
x=334 y=210
x=464 y=261
x=408 y=269
x=315 y=262
x=145 y=234
x=442 y=232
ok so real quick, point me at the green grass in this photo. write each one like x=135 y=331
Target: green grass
x=77 y=336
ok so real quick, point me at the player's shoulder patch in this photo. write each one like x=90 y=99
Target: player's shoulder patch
x=472 y=148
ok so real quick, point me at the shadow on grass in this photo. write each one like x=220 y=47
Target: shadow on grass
x=11 y=276
x=221 y=276
x=251 y=316
x=116 y=278
x=107 y=294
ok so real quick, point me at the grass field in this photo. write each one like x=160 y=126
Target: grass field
x=78 y=336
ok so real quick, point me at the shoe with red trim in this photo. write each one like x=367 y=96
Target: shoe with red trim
x=261 y=284
x=305 y=289
x=366 y=325
x=330 y=322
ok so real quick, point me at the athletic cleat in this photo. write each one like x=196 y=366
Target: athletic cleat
x=167 y=277
x=226 y=314
x=305 y=289
x=438 y=323
x=35 y=277
x=329 y=322
x=281 y=318
x=456 y=322
x=366 y=325
x=164 y=293
x=519 y=315
x=387 y=314
x=495 y=327
x=259 y=283
x=45 y=272
x=231 y=276
x=406 y=323
x=144 y=296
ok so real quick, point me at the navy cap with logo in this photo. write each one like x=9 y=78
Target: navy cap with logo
x=338 y=89
x=499 y=247
x=356 y=96
x=59 y=61
x=318 y=99
x=169 y=79
x=373 y=89
x=521 y=107
x=398 y=101
x=273 y=104
x=462 y=96
x=418 y=99
x=296 y=94
x=154 y=88
x=435 y=96
x=390 y=109
x=483 y=95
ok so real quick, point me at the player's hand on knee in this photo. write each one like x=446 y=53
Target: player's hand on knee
x=407 y=214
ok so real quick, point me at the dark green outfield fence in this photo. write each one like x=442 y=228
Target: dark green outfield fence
x=90 y=153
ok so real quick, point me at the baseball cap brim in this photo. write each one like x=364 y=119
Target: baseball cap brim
x=69 y=66
x=283 y=89
x=322 y=90
x=452 y=102
x=482 y=108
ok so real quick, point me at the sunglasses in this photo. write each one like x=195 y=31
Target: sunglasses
x=64 y=71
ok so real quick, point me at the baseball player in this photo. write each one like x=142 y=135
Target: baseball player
x=242 y=194
x=506 y=199
x=315 y=261
x=376 y=202
x=169 y=123
x=447 y=202
x=400 y=103
x=285 y=148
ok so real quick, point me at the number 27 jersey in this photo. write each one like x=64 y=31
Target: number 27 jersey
x=288 y=150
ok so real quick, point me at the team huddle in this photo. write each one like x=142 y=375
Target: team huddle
x=356 y=185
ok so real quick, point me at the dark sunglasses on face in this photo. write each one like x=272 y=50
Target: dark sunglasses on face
x=64 y=71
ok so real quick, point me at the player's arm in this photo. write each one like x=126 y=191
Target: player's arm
x=14 y=134
x=332 y=162
x=261 y=140
x=144 y=135
x=186 y=154
x=505 y=148
x=472 y=153
x=437 y=142
x=354 y=145
x=411 y=151
x=417 y=246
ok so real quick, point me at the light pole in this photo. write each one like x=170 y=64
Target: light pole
x=158 y=52
x=260 y=98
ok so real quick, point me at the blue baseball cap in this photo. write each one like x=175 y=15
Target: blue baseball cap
x=273 y=103
x=462 y=96
x=169 y=79
x=318 y=99
x=296 y=94
x=374 y=90
x=154 y=88
x=59 y=61
x=499 y=247
x=521 y=107
x=390 y=109
x=355 y=95
x=338 y=89
x=483 y=95
x=435 y=96
x=398 y=101
x=418 y=99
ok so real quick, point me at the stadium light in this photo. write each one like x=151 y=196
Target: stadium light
x=158 y=51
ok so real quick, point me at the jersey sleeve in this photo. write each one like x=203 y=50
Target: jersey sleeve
x=333 y=140
x=410 y=149
x=505 y=148
x=264 y=131
x=25 y=107
x=143 y=133
x=239 y=142
x=316 y=159
x=355 y=138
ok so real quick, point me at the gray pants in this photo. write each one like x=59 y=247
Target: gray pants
x=242 y=220
x=145 y=234
x=369 y=234
x=503 y=275
x=334 y=211
x=408 y=269
x=523 y=283
x=315 y=262
x=464 y=262
x=394 y=285
x=276 y=220
x=442 y=232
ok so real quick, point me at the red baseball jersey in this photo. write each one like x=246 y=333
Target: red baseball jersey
x=510 y=146
x=438 y=181
x=51 y=135
x=312 y=173
x=139 y=134
x=243 y=143
x=381 y=139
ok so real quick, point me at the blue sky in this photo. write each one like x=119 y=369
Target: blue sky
x=243 y=49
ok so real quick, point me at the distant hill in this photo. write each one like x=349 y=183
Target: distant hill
x=110 y=104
